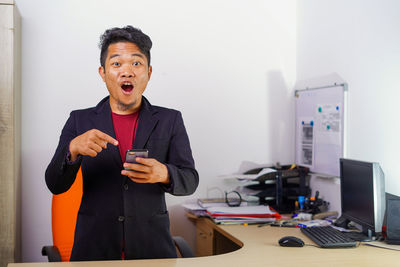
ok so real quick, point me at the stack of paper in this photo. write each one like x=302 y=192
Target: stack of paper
x=215 y=202
x=195 y=209
x=243 y=214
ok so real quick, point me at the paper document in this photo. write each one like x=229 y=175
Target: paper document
x=192 y=206
x=246 y=166
x=248 y=176
x=240 y=220
x=208 y=203
x=242 y=210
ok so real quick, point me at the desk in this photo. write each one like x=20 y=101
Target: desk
x=260 y=248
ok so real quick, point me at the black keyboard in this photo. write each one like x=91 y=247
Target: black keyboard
x=328 y=237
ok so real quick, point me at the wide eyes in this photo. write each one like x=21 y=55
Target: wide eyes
x=135 y=63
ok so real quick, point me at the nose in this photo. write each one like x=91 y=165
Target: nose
x=127 y=72
x=127 y=75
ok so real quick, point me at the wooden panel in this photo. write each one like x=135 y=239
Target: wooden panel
x=4 y=2
x=204 y=238
x=212 y=240
x=223 y=244
x=17 y=132
x=9 y=138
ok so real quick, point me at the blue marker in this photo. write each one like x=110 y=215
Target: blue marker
x=301 y=200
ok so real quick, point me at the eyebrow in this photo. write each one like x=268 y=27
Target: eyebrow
x=133 y=55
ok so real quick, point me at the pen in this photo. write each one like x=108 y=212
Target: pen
x=284 y=225
x=252 y=223
x=264 y=224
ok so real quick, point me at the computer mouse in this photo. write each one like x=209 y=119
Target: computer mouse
x=291 y=241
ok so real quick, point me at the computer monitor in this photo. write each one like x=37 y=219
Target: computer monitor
x=362 y=187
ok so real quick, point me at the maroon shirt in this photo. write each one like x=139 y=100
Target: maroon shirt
x=125 y=130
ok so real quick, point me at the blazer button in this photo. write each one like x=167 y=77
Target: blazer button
x=126 y=186
x=121 y=218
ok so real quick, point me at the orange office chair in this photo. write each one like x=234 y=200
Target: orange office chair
x=64 y=212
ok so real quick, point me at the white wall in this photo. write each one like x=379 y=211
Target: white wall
x=229 y=66
x=359 y=40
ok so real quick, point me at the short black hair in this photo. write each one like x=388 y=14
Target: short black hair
x=125 y=34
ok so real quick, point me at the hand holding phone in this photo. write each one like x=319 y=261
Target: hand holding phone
x=151 y=171
x=131 y=155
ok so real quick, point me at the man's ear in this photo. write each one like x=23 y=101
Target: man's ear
x=102 y=73
x=150 y=71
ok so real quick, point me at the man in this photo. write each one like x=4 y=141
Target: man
x=123 y=212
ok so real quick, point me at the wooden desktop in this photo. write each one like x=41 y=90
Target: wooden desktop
x=254 y=246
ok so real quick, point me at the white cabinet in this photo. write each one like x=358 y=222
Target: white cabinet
x=10 y=133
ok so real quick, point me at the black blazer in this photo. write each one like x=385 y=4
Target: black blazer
x=115 y=210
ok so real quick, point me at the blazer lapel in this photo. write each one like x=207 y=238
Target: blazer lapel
x=147 y=122
x=104 y=123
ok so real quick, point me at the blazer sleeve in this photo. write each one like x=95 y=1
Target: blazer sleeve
x=183 y=175
x=60 y=173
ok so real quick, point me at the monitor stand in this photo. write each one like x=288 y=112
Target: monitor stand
x=341 y=222
x=356 y=236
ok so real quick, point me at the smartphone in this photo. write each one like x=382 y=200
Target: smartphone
x=131 y=155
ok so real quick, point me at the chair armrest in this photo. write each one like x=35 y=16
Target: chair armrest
x=183 y=247
x=52 y=253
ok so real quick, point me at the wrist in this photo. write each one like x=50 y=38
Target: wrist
x=73 y=155
x=166 y=179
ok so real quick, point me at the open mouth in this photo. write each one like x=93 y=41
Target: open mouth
x=127 y=87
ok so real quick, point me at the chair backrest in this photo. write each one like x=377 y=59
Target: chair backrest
x=64 y=212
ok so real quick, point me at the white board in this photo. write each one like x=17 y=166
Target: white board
x=320 y=128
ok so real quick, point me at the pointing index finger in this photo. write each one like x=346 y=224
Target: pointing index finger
x=107 y=138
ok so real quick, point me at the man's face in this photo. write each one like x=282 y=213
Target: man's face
x=126 y=74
